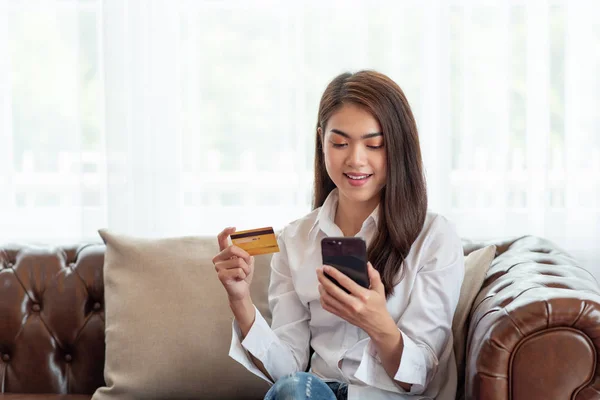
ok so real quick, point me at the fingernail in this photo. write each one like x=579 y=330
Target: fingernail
x=325 y=268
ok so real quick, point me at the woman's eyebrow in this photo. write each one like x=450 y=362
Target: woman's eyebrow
x=365 y=136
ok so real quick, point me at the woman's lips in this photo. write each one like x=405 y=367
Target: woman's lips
x=357 y=180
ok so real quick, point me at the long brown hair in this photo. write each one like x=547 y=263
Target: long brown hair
x=403 y=203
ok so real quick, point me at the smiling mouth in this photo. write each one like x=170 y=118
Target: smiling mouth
x=358 y=177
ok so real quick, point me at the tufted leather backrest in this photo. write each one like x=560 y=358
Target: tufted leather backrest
x=534 y=329
x=51 y=319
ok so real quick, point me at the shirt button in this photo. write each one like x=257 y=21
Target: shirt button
x=68 y=358
x=97 y=306
x=5 y=357
x=36 y=307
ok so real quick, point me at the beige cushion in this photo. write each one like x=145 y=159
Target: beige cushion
x=476 y=266
x=168 y=323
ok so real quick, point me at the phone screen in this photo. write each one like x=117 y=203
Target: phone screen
x=348 y=255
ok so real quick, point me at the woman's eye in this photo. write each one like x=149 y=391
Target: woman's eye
x=374 y=144
x=338 y=145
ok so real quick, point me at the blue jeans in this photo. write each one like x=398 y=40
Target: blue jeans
x=303 y=385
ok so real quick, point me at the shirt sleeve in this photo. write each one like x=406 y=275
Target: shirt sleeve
x=426 y=324
x=284 y=347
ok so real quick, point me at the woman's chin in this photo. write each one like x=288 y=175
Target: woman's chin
x=359 y=196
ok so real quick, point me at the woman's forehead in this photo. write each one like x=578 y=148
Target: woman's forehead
x=353 y=120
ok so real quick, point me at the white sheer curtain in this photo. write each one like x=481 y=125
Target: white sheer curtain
x=170 y=117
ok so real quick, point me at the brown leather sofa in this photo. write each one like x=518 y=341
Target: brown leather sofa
x=534 y=329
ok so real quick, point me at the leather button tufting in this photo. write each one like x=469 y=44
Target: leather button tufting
x=97 y=306
x=5 y=357
x=36 y=307
x=68 y=358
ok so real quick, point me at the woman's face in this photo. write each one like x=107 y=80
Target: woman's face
x=355 y=156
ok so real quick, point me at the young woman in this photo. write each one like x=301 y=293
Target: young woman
x=393 y=340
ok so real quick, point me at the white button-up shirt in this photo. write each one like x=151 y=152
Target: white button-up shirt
x=422 y=305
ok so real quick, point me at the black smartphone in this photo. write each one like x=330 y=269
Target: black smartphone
x=348 y=255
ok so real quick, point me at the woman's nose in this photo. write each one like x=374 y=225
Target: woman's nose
x=357 y=156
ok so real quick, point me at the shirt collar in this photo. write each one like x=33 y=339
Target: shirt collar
x=326 y=216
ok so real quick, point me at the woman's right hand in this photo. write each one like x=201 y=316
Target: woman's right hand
x=234 y=266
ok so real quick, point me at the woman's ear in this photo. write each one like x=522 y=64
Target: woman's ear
x=321 y=138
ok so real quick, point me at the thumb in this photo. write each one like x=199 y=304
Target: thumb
x=374 y=278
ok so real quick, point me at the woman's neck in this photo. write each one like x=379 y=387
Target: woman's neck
x=350 y=216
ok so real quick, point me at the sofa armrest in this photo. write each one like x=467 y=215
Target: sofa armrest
x=534 y=330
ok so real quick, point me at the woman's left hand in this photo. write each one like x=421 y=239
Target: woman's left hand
x=364 y=308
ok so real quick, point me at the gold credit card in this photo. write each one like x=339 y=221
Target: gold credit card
x=256 y=241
